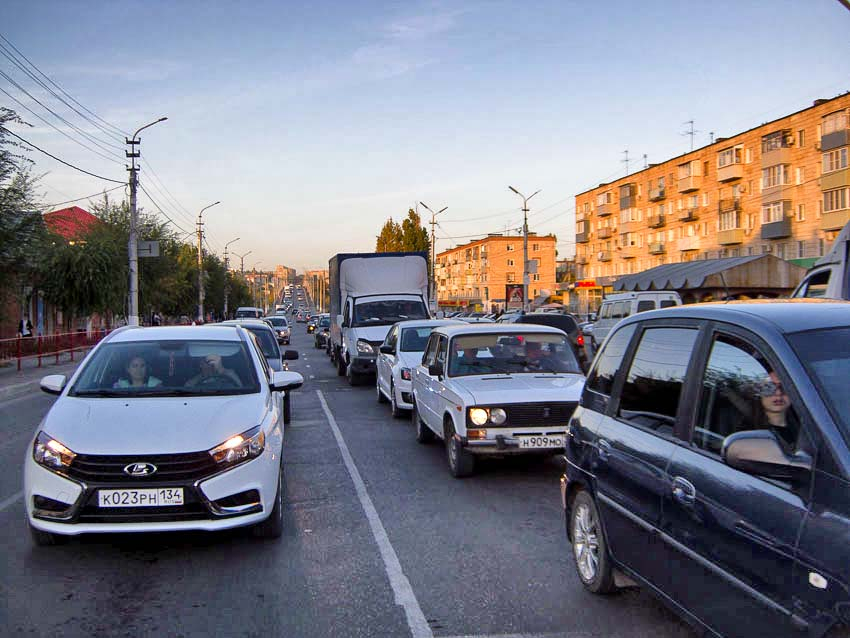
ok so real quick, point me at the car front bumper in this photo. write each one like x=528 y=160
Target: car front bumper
x=509 y=443
x=404 y=394
x=363 y=365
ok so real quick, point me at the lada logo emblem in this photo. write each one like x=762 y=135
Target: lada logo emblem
x=140 y=469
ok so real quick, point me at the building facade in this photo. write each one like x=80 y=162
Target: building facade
x=782 y=188
x=474 y=275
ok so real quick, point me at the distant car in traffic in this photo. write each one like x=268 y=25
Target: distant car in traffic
x=198 y=447
x=249 y=312
x=281 y=327
x=322 y=332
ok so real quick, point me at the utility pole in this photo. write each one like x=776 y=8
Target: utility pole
x=201 y=262
x=525 y=281
x=227 y=274
x=133 y=241
x=433 y=279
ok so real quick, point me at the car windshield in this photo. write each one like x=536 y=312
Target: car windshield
x=324 y=322
x=511 y=354
x=167 y=368
x=826 y=356
x=267 y=341
x=277 y=322
x=376 y=313
x=415 y=339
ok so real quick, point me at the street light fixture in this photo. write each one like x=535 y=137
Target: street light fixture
x=133 y=240
x=201 y=262
x=242 y=261
x=433 y=279
x=524 y=245
x=227 y=274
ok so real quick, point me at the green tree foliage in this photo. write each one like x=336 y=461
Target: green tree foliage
x=414 y=236
x=390 y=239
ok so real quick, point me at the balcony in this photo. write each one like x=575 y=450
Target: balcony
x=604 y=255
x=688 y=215
x=688 y=184
x=629 y=227
x=604 y=233
x=729 y=172
x=781 y=155
x=627 y=252
x=582 y=238
x=835 y=179
x=688 y=243
x=835 y=220
x=776 y=230
x=657 y=194
x=657 y=248
x=603 y=210
x=728 y=204
x=835 y=139
x=730 y=237
x=582 y=260
x=582 y=231
x=656 y=221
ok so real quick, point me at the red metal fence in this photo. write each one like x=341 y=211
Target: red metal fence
x=39 y=348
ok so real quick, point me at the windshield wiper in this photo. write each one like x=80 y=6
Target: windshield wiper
x=103 y=392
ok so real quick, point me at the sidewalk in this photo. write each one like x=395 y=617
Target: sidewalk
x=14 y=384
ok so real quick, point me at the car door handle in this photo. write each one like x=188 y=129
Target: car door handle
x=604 y=450
x=684 y=491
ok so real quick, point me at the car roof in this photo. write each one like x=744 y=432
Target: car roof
x=427 y=323
x=785 y=315
x=210 y=332
x=463 y=328
x=247 y=323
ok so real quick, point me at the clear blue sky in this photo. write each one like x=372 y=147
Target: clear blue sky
x=315 y=122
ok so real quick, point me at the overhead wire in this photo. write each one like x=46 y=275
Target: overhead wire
x=79 y=199
x=162 y=212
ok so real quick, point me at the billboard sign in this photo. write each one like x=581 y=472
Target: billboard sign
x=513 y=293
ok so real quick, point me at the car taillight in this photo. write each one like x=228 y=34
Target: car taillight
x=580 y=340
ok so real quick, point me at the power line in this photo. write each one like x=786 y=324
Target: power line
x=76 y=168
x=79 y=199
x=162 y=212
x=180 y=211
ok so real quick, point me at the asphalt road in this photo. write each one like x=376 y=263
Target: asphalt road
x=380 y=540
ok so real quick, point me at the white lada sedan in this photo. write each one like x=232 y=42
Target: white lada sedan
x=398 y=355
x=495 y=389
x=161 y=429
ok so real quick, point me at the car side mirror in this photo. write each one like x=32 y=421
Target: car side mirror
x=386 y=349
x=435 y=369
x=592 y=317
x=290 y=355
x=759 y=452
x=286 y=381
x=53 y=383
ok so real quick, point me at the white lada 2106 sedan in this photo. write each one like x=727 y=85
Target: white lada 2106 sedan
x=495 y=389
x=161 y=429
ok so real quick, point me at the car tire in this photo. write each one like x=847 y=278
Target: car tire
x=590 y=552
x=424 y=435
x=354 y=379
x=340 y=364
x=396 y=411
x=461 y=462
x=379 y=396
x=287 y=408
x=46 y=539
x=272 y=527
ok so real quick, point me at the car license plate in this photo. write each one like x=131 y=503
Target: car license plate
x=541 y=442
x=153 y=497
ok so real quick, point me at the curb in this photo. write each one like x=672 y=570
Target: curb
x=17 y=390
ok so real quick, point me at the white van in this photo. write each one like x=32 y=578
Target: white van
x=830 y=276
x=617 y=307
x=249 y=312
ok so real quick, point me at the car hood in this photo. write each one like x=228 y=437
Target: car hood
x=522 y=388
x=409 y=359
x=151 y=425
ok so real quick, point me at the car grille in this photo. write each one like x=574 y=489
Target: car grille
x=530 y=414
x=169 y=467
x=193 y=509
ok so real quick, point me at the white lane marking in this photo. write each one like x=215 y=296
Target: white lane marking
x=312 y=376
x=11 y=500
x=404 y=595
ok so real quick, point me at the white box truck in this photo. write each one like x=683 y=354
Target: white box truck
x=369 y=292
x=830 y=276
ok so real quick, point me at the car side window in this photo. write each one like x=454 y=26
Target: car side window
x=428 y=357
x=741 y=391
x=650 y=395
x=817 y=284
x=601 y=379
x=442 y=350
x=667 y=303
x=605 y=313
x=645 y=305
x=263 y=362
x=390 y=340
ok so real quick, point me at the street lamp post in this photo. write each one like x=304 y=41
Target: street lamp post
x=242 y=261
x=524 y=245
x=433 y=280
x=227 y=274
x=201 y=262
x=133 y=240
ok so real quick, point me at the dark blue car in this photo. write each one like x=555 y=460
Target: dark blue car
x=709 y=461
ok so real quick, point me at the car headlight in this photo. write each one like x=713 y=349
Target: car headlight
x=50 y=453
x=478 y=416
x=240 y=448
x=364 y=347
x=405 y=374
x=498 y=416
x=481 y=416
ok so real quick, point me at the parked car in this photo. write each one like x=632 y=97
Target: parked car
x=322 y=332
x=617 y=307
x=281 y=327
x=709 y=461
x=198 y=447
x=566 y=322
x=400 y=352
x=491 y=389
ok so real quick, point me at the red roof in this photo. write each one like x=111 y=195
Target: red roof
x=70 y=223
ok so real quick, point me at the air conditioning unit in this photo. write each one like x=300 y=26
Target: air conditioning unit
x=742 y=188
x=789 y=141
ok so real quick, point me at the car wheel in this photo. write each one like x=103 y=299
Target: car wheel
x=46 y=539
x=340 y=364
x=424 y=434
x=461 y=462
x=272 y=527
x=589 y=550
x=379 y=396
x=396 y=411
x=287 y=408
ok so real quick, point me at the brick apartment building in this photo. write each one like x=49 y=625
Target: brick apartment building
x=782 y=188
x=473 y=275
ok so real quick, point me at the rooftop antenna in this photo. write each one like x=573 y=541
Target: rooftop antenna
x=711 y=137
x=691 y=131
x=645 y=165
x=626 y=161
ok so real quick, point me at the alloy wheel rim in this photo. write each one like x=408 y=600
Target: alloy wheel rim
x=586 y=542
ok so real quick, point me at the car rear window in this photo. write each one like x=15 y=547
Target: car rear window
x=563 y=322
x=267 y=341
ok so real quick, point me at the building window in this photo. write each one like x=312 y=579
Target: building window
x=799 y=250
x=834 y=122
x=535 y=246
x=535 y=277
x=509 y=247
x=775 y=141
x=820 y=247
x=604 y=198
x=801 y=212
x=729 y=156
x=729 y=220
x=772 y=212
x=510 y=277
x=835 y=200
x=835 y=160
x=801 y=138
x=775 y=175
x=510 y=262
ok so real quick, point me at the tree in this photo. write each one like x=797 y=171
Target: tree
x=390 y=239
x=414 y=236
